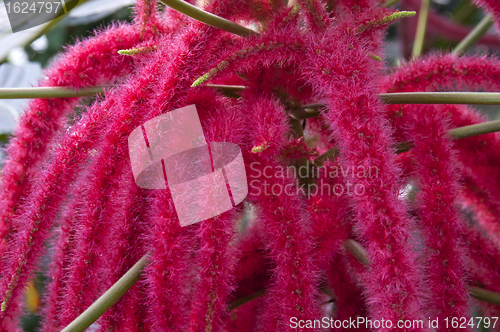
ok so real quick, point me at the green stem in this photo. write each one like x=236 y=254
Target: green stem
x=113 y=294
x=230 y=91
x=390 y=3
x=475 y=98
x=357 y=251
x=48 y=92
x=456 y=133
x=484 y=295
x=418 y=45
x=306 y=111
x=208 y=18
x=311 y=110
x=475 y=130
x=478 y=98
x=245 y=299
x=231 y=88
x=474 y=36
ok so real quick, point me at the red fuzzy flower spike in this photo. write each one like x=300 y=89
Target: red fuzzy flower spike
x=91 y=62
x=426 y=128
x=283 y=220
x=341 y=71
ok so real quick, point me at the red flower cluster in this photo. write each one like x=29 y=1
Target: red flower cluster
x=72 y=185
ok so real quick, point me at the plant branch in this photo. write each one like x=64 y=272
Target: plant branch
x=230 y=91
x=474 y=98
x=311 y=110
x=113 y=294
x=390 y=3
x=208 y=18
x=357 y=251
x=245 y=299
x=418 y=45
x=456 y=133
x=48 y=92
x=475 y=129
x=484 y=295
x=474 y=36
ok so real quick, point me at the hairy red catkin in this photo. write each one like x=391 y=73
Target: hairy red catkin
x=283 y=218
x=483 y=259
x=172 y=245
x=435 y=168
x=89 y=258
x=315 y=13
x=341 y=72
x=106 y=170
x=478 y=155
x=122 y=248
x=252 y=271
x=59 y=262
x=52 y=184
x=217 y=256
x=328 y=206
x=349 y=301
x=91 y=62
x=109 y=162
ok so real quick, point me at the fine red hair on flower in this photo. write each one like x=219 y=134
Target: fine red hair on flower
x=290 y=242
x=434 y=156
x=86 y=64
x=283 y=219
x=345 y=79
x=478 y=155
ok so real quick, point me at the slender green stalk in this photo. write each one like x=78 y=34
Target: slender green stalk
x=484 y=295
x=230 y=91
x=306 y=111
x=456 y=133
x=476 y=34
x=418 y=45
x=113 y=294
x=475 y=130
x=390 y=3
x=357 y=251
x=474 y=98
x=48 y=92
x=208 y=18
x=232 y=88
x=245 y=299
